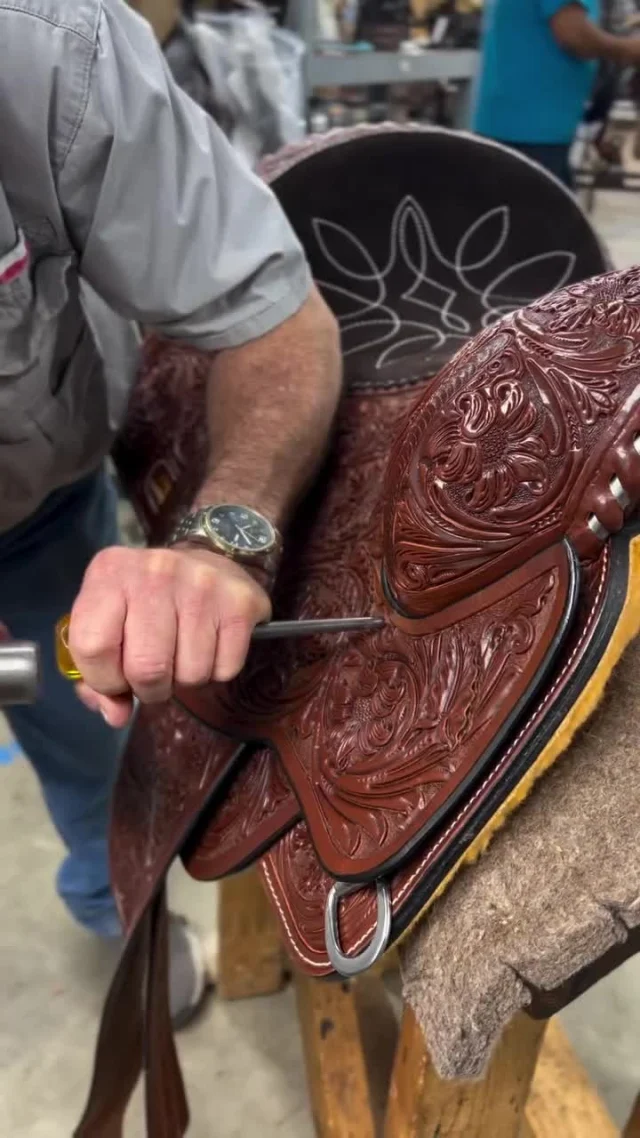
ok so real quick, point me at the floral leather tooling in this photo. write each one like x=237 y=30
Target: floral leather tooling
x=479 y=497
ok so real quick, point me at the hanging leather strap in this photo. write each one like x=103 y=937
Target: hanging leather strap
x=166 y=1101
x=146 y=836
x=136 y=1035
x=119 y=1050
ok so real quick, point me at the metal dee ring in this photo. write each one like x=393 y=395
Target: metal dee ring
x=348 y=966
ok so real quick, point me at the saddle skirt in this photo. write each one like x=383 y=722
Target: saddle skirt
x=486 y=512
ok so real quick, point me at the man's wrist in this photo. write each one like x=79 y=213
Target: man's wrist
x=257 y=574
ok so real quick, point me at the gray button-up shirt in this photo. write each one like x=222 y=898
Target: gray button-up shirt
x=121 y=203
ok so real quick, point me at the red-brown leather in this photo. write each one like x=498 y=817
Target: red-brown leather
x=459 y=541
x=258 y=806
x=377 y=732
x=167 y=1113
x=171 y=768
x=510 y=452
x=299 y=886
x=497 y=462
x=119 y=1052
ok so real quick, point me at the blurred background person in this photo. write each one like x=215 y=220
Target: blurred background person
x=539 y=64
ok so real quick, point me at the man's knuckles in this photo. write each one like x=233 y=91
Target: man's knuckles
x=215 y=598
x=149 y=674
x=158 y=567
x=242 y=604
x=194 y=674
x=90 y=646
x=128 y=569
x=110 y=564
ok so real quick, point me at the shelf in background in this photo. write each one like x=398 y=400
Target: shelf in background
x=383 y=67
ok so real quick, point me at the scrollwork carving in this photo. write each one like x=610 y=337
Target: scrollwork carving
x=377 y=730
x=484 y=471
x=257 y=806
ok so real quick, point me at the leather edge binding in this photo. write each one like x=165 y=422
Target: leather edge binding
x=611 y=644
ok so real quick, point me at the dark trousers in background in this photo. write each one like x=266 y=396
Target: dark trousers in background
x=554 y=158
x=74 y=753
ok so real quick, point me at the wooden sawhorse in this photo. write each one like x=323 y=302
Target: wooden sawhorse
x=534 y=1088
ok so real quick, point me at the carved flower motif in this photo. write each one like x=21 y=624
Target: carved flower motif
x=613 y=305
x=366 y=712
x=304 y=872
x=401 y=698
x=492 y=442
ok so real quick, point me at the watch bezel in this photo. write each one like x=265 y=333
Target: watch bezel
x=229 y=547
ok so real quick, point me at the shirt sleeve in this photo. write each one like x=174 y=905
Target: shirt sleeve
x=550 y=7
x=171 y=228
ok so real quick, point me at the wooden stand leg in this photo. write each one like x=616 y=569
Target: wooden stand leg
x=559 y=1099
x=334 y=1059
x=632 y=1129
x=251 y=961
x=563 y=1103
x=421 y=1105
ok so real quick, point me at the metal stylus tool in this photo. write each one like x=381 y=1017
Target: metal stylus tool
x=273 y=630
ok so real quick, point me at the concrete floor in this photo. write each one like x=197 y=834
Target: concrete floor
x=242 y=1061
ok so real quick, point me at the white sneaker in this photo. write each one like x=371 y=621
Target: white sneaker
x=189 y=976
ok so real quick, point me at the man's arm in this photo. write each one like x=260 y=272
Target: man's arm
x=175 y=233
x=580 y=36
x=271 y=407
x=147 y=619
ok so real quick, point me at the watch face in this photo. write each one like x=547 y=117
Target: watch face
x=241 y=529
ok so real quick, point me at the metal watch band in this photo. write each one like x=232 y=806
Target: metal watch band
x=192 y=529
x=189 y=528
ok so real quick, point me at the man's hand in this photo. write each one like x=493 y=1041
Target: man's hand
x=147 y=619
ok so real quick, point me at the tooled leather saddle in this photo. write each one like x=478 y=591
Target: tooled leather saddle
x=479 y=496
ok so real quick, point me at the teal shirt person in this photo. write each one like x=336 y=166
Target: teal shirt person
x=530 y=90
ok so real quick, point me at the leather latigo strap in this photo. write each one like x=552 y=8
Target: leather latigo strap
x=136 y=1033
x=119 y=1050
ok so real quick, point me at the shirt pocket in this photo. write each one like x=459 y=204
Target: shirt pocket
x=32 y=296
x=16 y=292
x=34 y=290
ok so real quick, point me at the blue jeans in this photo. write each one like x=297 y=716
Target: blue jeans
x=74 y=753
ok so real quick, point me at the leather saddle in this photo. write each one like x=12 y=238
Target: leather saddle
x=479 y=496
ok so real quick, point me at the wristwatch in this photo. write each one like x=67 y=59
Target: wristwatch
x=237 y=532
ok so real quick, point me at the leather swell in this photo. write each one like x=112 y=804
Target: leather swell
x=516 y=448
